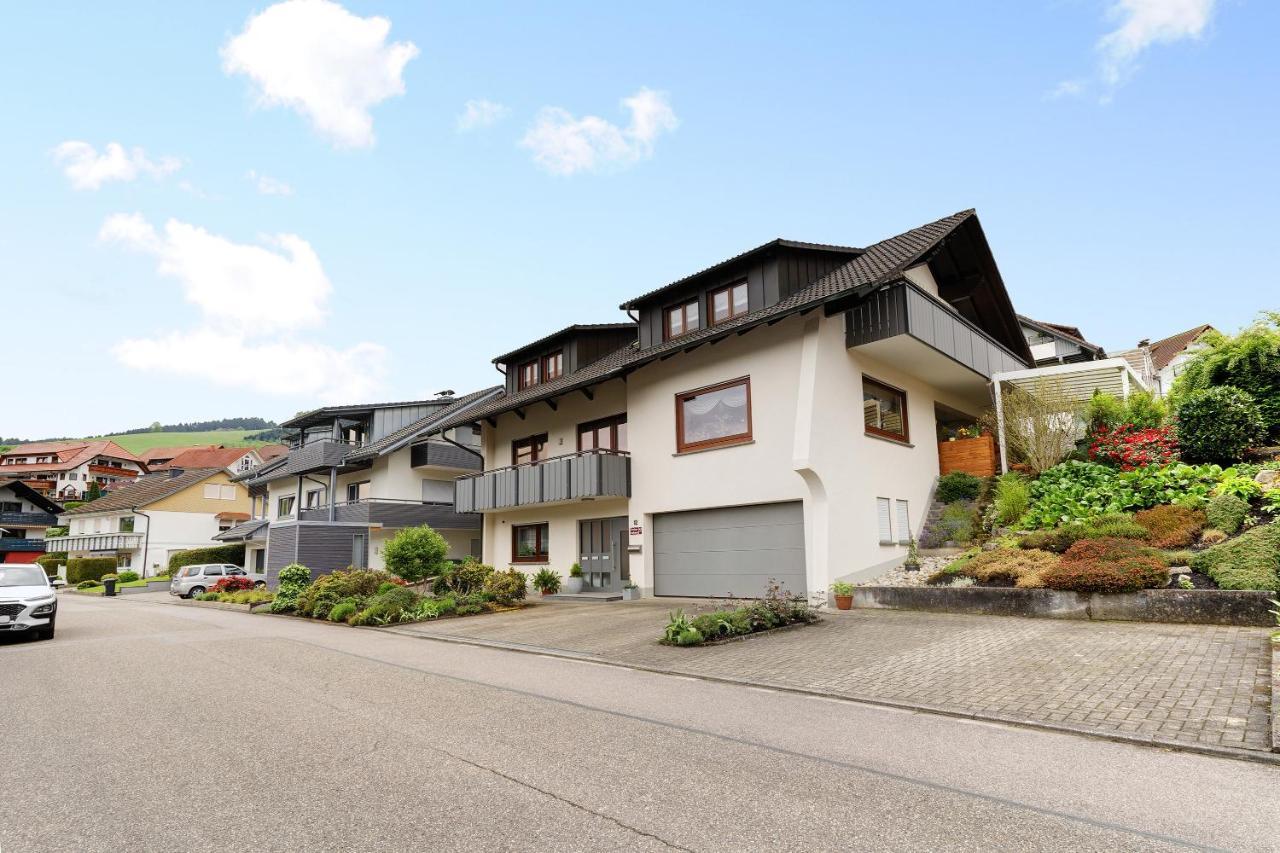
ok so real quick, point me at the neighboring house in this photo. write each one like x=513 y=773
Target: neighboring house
x=354 y=476
x=1054 y=343
x=144 y=523
x=25 y=514
x=772 y=416
x=1160 y=363
x=236 y=460
x=64 y=470
x=156 y=458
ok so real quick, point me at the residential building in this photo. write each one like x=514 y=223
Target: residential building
x=64 y=470
x=25 y=515
x=1055 y=343
x=1160 y=363
x=354 y=476
x=772 y=416
x=156 y=458
x=146 y=522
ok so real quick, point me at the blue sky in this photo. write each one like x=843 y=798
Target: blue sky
x=297 y=213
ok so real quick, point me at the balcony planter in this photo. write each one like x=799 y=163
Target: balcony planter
x=631 y=592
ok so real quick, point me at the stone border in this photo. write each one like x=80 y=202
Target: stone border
x=1275 y=692
x=220 y=605
x=1247 y=608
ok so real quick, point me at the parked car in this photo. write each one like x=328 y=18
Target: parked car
x=190 y=581
x=27 y=601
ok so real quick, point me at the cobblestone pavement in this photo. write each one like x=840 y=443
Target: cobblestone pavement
x=1196 y=685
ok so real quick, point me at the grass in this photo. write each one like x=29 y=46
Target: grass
x=142 y=441
x=98 y=590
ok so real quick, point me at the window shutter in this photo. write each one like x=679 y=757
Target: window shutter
x=904 y=523
x=886 y=526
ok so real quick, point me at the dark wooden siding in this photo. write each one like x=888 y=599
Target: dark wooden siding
x=580 y=349
x=797 y=269
x=444 y=455
x=322 y=548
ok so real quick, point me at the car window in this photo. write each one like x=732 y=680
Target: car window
x=213 y=571
x=191 y=571
x=234 y=570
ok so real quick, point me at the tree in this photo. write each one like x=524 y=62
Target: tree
x=155 y=426
x=1218 y=425
x=95 y=492
x=1249 y=361
x=416 y=553
x=1041 y=425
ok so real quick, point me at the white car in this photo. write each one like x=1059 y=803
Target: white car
x=27 y=601
x=190 y=581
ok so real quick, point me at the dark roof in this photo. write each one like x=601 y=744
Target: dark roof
x=397 y=439
x=882 y=263
x=22 y=489
x=1072 y=333
x=244 y=531
x=576 y=327
x=302 y=418
x=146 y=490
x=763 y=247
x=1166 y=350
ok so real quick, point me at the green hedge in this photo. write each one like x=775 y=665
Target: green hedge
x=89 y=568
x=215 y=554
x=50 y=562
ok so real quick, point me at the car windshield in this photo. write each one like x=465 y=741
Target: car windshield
x=22 y=576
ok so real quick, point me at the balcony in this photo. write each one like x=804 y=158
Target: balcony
x=575 y=476
x=94 y=542
x=28 y=519
x=112 y=471
x=8 y=544
x=385 y=512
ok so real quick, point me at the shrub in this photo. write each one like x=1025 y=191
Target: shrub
x=1040 y=423
x=1250 y=561
x=463 y=579
x=416 y=553
x=1012 y=497
x=506 y=587
x=958 y=486
x=343 y=610
x=89 y=568
x=1249 y=361
x=1002 y=566
x=1081 y=490
x=87 y=584
x=1226 y=513
x=1127 y=447
x=1245 y=488
x=1056 y=540
x=956 y=523
x=234 y=583
x=293 y=581
x=246 y=596
x=128 y=576
x=1170 y=525
x=209 y=595
x=1107 y=565
x=1116 y=525
x=335 y=586
x=386 y=607
x=215 y=554
x=50 y=561
x=547 y=581
x=1218 y=424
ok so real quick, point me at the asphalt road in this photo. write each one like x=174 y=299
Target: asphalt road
x=147 y=726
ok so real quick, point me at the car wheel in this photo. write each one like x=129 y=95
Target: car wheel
x=194 y=591
x=260 y=585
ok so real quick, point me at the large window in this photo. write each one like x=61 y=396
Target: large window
x=529 y=543
x=604 y=434
x=714 y=416
x=727 y=303
x=680 y=319
x=528 y=375
x=284 y=506
x=884 y=410
x=552 y=366
x=358 y=491
x=526 y=450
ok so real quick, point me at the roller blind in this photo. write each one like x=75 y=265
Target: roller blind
x=886 y=525
x=904 y=523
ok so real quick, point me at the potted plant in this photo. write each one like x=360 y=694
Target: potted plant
x=843 y=592
x=573 y=585
x=630 y=592
x=912 y=562
x=547 y=581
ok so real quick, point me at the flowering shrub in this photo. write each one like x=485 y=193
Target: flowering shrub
x=1127 y=447
x=235 y=583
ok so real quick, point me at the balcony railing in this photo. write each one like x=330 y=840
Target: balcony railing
x=112 y=471
x=112 y=541
x=7 y=544
x=389 y=512
x=28 y=519
x=574 y=476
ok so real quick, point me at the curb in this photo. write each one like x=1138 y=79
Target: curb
x=1258 y=757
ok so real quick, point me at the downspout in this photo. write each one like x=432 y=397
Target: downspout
x=333 y=491
x=1004 y=454
x=146 y=540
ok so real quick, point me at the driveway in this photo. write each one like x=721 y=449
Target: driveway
x=1194 y=686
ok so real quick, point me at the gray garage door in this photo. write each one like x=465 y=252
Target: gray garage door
x=730 y=550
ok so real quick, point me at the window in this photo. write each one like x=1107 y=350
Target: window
x=10 y=506
x=527 y=450
x=903 y=520
x=714 y=416
x=284 y=506
x=213 y=571
x=604 y=434
x=884 y=410
x=228 y=493
x=233 y=571
x=358 y=492
x=680 y=320
x=528 y=375
x=727 y=303
x=358 y=550
x=552 y=366
x=883 y=521
x=211 y=491
x=73 y=476
x=126 y=524
x=529 y=543
x=313 y=498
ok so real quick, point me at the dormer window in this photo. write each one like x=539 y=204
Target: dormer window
x=552 y=366
x=727 y=302
x=528 y=375
x=681 y=319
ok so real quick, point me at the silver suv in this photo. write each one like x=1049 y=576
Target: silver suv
x=27 y=601
x=190 y=581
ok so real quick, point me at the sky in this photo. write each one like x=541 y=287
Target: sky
x=242 y=209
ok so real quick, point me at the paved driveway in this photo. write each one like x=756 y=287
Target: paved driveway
x=1190 y=685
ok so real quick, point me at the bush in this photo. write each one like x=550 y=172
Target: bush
x=506 y=587
x=216 y=554
x=547 y=581
x=1117 y=525
x=1226 y=513
x=1002 y=566
x=1127 y=447
x=128 y=576
x=416 y=553
x=1218 y=425
x=87 y=584
x=1012 y=497
x=1245 y=488
x=89 y=568
x=463 y=579
x=293 y=581
x=1107 y=565
x=50 y=561
x=1250 y=561
x=331 y=588
x=343 y=610
x=1170 y=525
x=232 y=584
x=1075 y=491
x=958 y=486
x=246 y=596
x=1249 y=361
x=209 y=596
x=956 y=524
x=387 y=607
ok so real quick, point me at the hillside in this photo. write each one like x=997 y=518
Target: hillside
x=139 y=441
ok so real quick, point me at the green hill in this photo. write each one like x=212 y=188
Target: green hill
x=137 y=442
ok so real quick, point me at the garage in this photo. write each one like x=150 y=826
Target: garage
x=729 y=551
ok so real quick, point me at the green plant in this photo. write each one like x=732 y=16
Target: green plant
x=547 y=581
x=1226 y=513
x=575 y=571
x=1104 y=411
x=1249 y=361
x=1001 y=566
x=387 y=607
x=1012 y=498
x=1179 y=558
x=1244 y=488
x=87 y=584
x=215 y=554
x=1171 y=525
x=463 y=579
x=416 y=553
x=1041 y=423
x=958 y=486
x=1271 y=500
x=957 y=523
x=292 y=582
x=1076 y=491
x=343 y=610
x=507 y=587
x=1250 y=561
x=1218 y=424
x=1106 y=565
x=841 y=588
x=1212 y=536
x=1184 y=582
x=677 y=624
x=1113 y=525
x=128 y=576
x=89 y=568
x=51 y=560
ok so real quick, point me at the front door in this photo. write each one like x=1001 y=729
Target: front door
x=602 y=553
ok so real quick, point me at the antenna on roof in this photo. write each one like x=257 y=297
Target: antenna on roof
x=448 y=392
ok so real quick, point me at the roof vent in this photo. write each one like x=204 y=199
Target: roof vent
x=174 y=473
x=448 y=392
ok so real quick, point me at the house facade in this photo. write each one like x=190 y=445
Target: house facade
x=1056 y=343
x=25 y=515
x=1160 y=363
x=772 y=416
x=146 y=522
x=65 y=470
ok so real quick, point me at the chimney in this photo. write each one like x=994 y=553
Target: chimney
x=1144 y=343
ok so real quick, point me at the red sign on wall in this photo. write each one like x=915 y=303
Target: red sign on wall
x=637 y=531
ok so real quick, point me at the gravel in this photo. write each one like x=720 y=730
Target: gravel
x=901 y=577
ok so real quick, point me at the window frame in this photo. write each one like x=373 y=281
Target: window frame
x=544 y=374
x=535 y=366
x=613 y=422
x=729 y=289
x=905 y=436
x=683 y=308
x=539 y=438
x=285 y=505
x=885 y=504
x=724 y=441
x=542 y=553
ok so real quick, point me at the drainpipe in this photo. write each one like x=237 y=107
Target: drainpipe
x=1004 y=454
x=146 y=540
x=333 y=491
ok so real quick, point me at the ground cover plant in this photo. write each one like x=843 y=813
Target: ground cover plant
x=778 y=608
x=1171 y=525
x=1107 y=565
x=1250 y=561
x=998 y=567
x=958 y=486
x=1078 y=491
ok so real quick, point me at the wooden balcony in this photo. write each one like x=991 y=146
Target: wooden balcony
x=382 y=512
x=575 y=476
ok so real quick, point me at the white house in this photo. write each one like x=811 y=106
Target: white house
x=1160 y=363
x=64 y=470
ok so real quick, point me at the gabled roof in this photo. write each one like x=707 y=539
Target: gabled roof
x=154 y=455
x=1166 y=350
x=395 y=440
x=145 y=490
x=267 y=452
x=72 y=453
x=565 y=332
x=209 y=457
x=254 y=528
x=23 y=490
x=1070 y=333
x=324 y=412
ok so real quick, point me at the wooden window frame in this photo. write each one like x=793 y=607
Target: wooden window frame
x=683 y=308
x=905 y=437
x=542 y=550
x=521 y=384
x=729 y=289
x=725 y=441
x=540 y=438
x=544 y=375
x=612 y=422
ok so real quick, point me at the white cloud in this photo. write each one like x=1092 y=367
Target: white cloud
x=478 y=113
x=322 y=61
x=563 y=145
x=253 y=300
x=268 y=185
x=89 y=170
x=1144 y=23
x=1066 y=89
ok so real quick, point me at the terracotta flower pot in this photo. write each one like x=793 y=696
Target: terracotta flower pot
x=844 y=602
